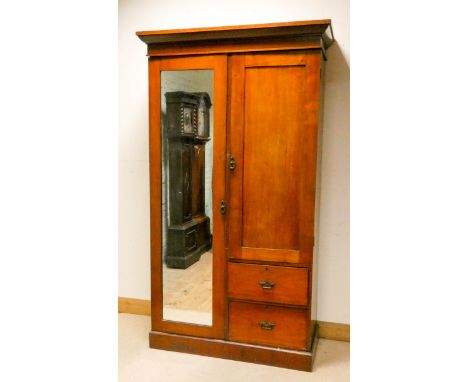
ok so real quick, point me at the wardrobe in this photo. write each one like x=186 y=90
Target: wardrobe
x=234 y=131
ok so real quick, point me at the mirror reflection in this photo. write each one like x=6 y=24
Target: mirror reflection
x=187 y=218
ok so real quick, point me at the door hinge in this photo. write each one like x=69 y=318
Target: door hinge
x=232 y=163
x=222 y=207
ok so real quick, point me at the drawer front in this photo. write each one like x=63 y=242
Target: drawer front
x=268 y=325
x=285 y=285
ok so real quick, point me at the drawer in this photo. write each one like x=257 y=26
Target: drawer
x=285 y=285
x=268 y=325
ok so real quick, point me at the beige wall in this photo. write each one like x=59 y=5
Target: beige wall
x=134 y=248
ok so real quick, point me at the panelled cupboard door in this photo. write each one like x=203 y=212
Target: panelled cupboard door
x=273 y=140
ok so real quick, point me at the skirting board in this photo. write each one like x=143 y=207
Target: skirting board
x=334 y=331
x=134 y=306
x=329 y=330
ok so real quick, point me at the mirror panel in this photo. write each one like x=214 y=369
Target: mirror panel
x=187 y=208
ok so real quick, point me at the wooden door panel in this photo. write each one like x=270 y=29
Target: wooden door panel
x=273 y=129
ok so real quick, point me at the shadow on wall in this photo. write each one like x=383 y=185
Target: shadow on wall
x=337 y=86
x=336 y=118
x=333 y=186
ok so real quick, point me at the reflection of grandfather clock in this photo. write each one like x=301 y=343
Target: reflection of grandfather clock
x=188 y=125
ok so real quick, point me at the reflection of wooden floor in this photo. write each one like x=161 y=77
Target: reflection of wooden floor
x=191 y=288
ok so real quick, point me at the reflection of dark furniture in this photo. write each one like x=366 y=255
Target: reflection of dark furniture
x=187 y=130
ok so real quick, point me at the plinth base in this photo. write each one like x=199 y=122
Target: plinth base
x=290 y=359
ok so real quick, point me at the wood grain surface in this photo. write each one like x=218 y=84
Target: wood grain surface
x=290 y=285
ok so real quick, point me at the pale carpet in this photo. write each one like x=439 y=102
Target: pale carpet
x=137 y=362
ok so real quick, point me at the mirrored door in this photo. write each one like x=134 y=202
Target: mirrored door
x=187 y=150
x=187 y=195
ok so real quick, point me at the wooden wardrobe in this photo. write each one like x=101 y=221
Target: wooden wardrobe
x=234 y=123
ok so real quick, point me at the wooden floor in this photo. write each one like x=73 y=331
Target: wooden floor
x=191 y=288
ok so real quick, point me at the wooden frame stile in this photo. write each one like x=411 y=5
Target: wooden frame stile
x=313 y=271
x=313 y=83
x=218 y=63
x=227 y=180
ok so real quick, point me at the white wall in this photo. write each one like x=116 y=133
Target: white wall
x=134 y=247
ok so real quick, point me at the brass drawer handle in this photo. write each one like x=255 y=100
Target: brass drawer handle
x=266 y=325
x=267 y=284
